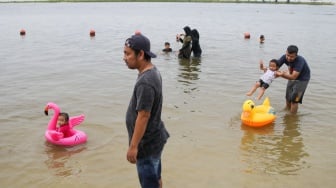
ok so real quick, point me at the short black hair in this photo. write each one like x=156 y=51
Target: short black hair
x=275 y=61
x=292 y=49
x=146 y=56
x=167 y=43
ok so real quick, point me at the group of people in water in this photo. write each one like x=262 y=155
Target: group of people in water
x=190 y=44
x=298 y=67
x=146 y=131
x=298 y=76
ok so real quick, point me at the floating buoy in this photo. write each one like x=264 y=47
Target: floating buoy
x=92 y=33
x=137 y=32
x=247 y=35
x=22 y=32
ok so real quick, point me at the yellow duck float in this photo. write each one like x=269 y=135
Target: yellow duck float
x=257 y=116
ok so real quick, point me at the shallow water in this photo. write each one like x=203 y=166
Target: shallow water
x=58 y=61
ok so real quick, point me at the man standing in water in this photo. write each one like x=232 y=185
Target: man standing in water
x=146 y=131
x=298 y=76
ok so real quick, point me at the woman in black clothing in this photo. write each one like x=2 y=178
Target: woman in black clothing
x=195 y=48
x=185 y=51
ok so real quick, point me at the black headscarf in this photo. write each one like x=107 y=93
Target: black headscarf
x=187 y=30
x=194 y=34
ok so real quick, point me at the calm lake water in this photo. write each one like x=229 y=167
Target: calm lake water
x=209 y=147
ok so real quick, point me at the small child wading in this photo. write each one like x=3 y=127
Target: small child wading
x=266 y=79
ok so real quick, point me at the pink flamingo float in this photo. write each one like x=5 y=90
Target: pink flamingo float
x=55 y=136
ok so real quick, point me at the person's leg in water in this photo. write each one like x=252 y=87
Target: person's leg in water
x=294 y=107
x=261 y=92
x=288 y=97
x=253 y=89
x=288 y=105
x=294 y=94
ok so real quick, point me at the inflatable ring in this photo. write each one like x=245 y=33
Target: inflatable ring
x=257 y=116
x=55 y=136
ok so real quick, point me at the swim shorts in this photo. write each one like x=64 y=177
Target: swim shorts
x=295 y=90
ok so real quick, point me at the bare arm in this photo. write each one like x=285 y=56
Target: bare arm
x=139 y=131
x=261 y=66
x=292 y=76
x=179 y=38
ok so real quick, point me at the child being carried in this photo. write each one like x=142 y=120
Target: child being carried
x=270 y=73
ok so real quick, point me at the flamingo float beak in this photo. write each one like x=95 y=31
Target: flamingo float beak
x=46 y=110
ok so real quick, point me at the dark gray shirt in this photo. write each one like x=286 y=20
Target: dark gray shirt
x=147 y=95
x=299 y=65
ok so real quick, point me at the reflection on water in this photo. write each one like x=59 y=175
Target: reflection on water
x=291 y=146
x=255 y=147
x=264 y=150
x=59 y=159
x=189 y=72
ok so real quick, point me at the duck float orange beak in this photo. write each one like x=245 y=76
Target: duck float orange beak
x=257 y=116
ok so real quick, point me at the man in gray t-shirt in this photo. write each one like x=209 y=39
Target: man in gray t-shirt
x=146 y=131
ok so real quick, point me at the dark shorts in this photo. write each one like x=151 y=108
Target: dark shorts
x=263 y=84
x=149 y=171
x=295 y=91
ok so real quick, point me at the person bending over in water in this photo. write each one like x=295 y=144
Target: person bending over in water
x=298 y=76
x=266 y=79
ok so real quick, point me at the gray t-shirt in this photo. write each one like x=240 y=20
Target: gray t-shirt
x=147 y=95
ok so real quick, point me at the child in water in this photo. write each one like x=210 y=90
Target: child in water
x=266 y=79
x=262 y=39
x=167 y=47
x=63 y=124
